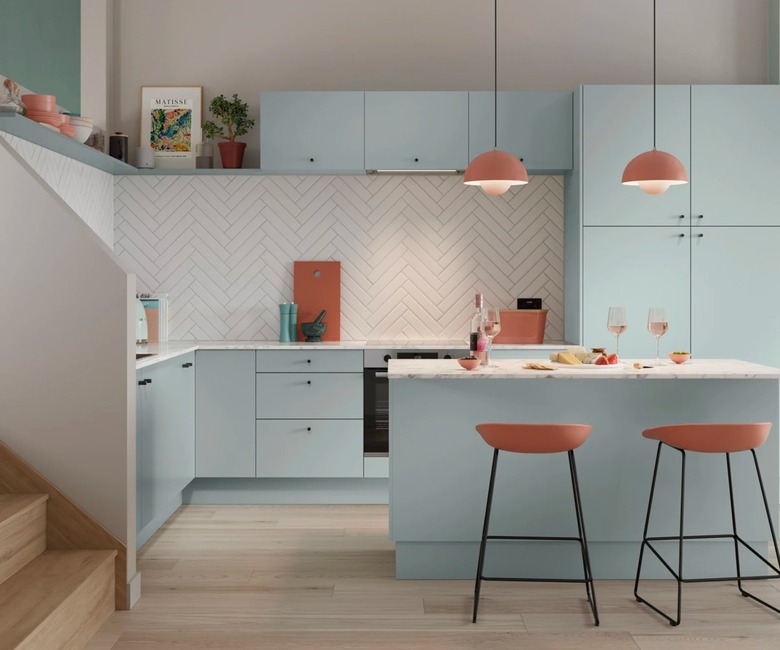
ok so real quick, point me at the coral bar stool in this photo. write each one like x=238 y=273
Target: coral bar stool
x=709 y=439
x=536 y=439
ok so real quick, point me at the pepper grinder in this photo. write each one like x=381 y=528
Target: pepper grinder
x=284 y=323
x=293 y=322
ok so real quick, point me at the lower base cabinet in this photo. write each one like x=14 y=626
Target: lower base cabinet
x=309 y=448
x=165 y=440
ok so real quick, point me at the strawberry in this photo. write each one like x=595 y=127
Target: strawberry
x=612 y=359
x=601 y=361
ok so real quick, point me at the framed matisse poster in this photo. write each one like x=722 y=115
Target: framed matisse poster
x=171 y=118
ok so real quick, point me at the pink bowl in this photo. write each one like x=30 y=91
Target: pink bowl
x=40 y=102
x=469 y=364
x=679 y=358
x=67 y=129
x=55 y=119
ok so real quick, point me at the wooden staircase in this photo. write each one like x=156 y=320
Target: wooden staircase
x=49 y=599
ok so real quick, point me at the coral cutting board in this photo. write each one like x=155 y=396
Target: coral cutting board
x=317 y=286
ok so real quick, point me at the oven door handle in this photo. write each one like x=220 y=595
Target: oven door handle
x=380 y=372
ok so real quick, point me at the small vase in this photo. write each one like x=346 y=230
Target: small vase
x=232 y=154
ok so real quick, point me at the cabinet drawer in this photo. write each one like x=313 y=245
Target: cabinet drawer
x=309 y=448
x=309 y=361
x=309 y=395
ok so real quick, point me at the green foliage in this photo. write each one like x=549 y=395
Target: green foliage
x=233 y=113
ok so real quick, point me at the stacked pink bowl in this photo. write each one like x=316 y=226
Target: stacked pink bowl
x=43 y=109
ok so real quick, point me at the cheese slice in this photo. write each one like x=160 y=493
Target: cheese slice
x=568 y=358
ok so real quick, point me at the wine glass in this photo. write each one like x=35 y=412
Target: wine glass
x=492 y=328
x=616 y=324
x=657 y=325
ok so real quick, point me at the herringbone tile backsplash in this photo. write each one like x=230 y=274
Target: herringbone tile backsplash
x=88 y=191
x=413 y=250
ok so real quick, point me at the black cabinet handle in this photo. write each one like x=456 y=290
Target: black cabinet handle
x=186 y=365
x=416 y=160
x=700 y=235
x=308 y=428
x=522 y=160
x=682 y=216
x=148 y=381
x=701 y=216
x=309 y=382
x=311 y=159
x=142 y=382
x=308 y=360
x=682 y=234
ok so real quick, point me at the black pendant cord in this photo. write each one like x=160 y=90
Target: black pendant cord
x=654 y=71
x=495 y=74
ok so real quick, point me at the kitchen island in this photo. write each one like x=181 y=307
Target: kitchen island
x=440 y=466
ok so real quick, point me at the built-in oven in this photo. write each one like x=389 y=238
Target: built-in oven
x=376 y=395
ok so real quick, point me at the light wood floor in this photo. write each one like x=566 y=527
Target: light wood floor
x=281 y=577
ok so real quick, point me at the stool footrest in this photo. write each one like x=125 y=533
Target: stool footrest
x=574 y=580
x=535 y=538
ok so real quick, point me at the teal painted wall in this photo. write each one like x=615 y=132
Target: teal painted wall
x=40 y=47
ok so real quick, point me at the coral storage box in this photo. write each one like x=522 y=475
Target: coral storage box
x=522 y=326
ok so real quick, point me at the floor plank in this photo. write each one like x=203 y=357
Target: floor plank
x=293 y=576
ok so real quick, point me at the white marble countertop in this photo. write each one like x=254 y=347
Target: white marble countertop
x=164 y=351
x=513 y=369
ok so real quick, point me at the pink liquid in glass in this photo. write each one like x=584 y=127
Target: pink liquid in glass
x=658 y=328
x=616 y=329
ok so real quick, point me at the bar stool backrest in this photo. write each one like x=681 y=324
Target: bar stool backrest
x=712 y=438
x=534 y=438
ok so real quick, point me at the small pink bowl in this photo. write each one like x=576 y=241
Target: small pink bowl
x=679 y=358
x=67 y=129
x=40 y=102
x=55 y=119
x=469 y=364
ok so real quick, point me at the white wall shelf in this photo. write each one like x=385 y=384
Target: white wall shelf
x=31 y=131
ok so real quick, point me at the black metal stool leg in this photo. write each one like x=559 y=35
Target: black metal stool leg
x=679 y=538
x=771 y=530
x=647 y=524
x=734 y=525
x=483 y=542
x=590 y=588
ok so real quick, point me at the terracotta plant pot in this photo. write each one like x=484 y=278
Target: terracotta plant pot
x=232 y=154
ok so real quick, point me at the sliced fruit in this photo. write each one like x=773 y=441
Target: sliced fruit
x=612 y=359
x=568 y=358
x=601 y=361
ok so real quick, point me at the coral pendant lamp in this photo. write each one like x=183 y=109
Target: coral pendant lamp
x=495 y=171
x=654 y=171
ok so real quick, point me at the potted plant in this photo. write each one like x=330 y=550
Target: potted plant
x=233 y=115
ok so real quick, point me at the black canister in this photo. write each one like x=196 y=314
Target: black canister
x=117 y=146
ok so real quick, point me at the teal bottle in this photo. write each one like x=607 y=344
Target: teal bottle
x=293 y=322
x=284 y=323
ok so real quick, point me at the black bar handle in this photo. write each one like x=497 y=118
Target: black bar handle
x=682 y=234
x=701 y=216
x=308 y=428
x=148 y=381
x=682 y=216
x=308 y=382
x=142 y=382
x=700 y=235
x=186 y=365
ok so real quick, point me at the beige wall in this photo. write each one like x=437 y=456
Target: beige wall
x=246 y=46
x=67 y=395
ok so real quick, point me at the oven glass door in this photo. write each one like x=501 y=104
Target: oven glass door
x=376 y=412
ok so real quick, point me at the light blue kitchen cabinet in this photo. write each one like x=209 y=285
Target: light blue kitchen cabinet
x=310 y=395
x=735 y=309
x=534 y=126
x=311 y=132
x=735 y=136
x=309 y=361
x=416 y=130
x=636 y=268
x=225 y=413
x=617 y=125
x=310 y=448
x=165 y=440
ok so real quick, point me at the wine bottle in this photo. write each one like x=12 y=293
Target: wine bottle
x=477 y=337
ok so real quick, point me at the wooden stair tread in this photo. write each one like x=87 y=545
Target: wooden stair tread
x=31 y=595
x=12 y=505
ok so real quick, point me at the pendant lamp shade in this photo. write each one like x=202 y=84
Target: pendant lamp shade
x=495 y=172
x=654 y=172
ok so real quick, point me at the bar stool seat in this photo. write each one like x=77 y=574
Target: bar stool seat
x=536 y=439
x=710 y=439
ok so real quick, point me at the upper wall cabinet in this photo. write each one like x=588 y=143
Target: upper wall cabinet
x=417 y=130
x=534 y=126
x=617 y=124
x=311 y=132
x=735 y=166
